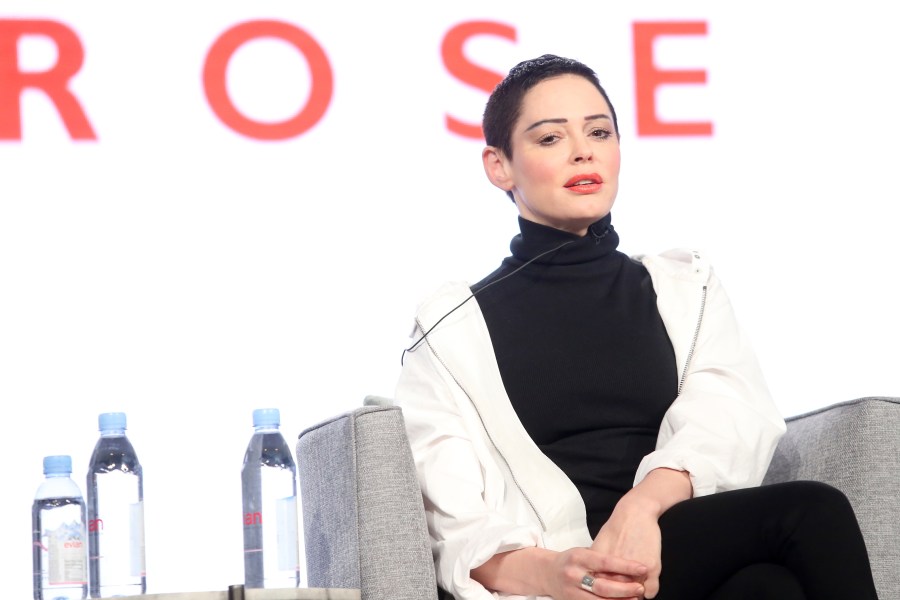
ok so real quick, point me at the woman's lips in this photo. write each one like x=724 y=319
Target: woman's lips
x=584 y=183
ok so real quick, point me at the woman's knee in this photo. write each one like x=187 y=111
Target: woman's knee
x=816 y=493
x=762 y=581
x=813 y=503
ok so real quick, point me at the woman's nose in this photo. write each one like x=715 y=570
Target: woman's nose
x=582 y=151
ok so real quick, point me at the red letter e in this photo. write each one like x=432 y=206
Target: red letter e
x=647 y=78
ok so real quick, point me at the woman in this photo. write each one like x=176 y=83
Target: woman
x=585 y=424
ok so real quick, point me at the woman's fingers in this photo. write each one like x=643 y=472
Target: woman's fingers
x=651 y=586
x=614 y=565
x=585 y=571
x=604 y=587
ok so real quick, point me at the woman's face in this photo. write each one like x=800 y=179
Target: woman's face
x=565 y=166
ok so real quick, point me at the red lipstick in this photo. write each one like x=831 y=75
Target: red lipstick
x=584 y=183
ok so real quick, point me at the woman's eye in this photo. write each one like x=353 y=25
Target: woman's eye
x=546 y=140
x=600 y=133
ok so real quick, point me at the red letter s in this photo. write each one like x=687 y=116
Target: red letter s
x=54 y=82
x=647 y=78
x=467 y=72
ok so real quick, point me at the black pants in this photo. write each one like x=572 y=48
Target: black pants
x=797 y=540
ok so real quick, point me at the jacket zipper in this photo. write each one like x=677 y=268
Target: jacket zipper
x=488 y=433
x=690 y=354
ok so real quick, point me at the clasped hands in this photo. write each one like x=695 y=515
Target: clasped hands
x=632 y=537
x=623 y=562
x=627 y=550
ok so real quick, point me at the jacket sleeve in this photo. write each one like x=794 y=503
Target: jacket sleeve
x=465 y=524
x=723 y=426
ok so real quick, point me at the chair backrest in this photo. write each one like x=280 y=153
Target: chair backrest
x=363 y=516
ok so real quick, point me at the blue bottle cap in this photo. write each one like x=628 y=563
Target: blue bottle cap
x=112 y=421
x=58 y=465
x=266 y=417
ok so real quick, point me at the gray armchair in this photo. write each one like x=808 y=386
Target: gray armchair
x=854 y=446
x=365 y=523
x=363 y=517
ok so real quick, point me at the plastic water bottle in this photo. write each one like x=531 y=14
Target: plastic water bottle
x=59 y=551
x=270 y=507
x=115 y=507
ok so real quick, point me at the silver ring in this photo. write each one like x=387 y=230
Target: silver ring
x=587 y=583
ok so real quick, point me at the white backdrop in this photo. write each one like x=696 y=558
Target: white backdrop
x=186 y=273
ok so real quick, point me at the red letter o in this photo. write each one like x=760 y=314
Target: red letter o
x=217 y=93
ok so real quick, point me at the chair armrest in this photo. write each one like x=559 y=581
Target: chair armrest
x=363 y=516
x=854 y=446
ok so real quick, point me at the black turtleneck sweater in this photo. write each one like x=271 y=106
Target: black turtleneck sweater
x=584 y=355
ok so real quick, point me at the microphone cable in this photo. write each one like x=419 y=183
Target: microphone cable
x=452 y=310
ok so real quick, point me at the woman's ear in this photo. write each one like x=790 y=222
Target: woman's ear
x=496 y=168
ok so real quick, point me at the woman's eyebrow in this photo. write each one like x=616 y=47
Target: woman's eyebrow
x=542 y=121
x=587 y=118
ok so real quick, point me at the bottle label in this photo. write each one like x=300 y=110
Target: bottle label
x=116 y=530
x=136 y=522
x=286 y=509
x=66 y=555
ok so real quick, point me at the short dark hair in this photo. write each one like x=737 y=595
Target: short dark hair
x=505 y=103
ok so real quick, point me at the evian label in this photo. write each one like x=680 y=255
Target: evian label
x=67 y=561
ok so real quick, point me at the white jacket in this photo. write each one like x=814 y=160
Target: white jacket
x=489 y=489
